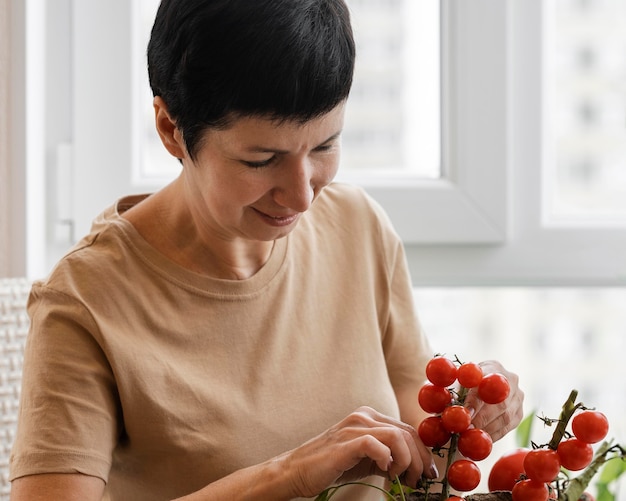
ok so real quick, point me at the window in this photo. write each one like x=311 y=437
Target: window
x=393 y=118
x=478 y=218
x=588 y=112
x=520 y=186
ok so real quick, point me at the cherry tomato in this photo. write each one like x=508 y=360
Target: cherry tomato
x=542 y=465
x=475 y=444
x=441 y=371
x=456 y=418
x=469 y=375
x=434 y=399
x=494 y=388
x=575 y=454
x=432 y=432
x=507 y=470
x=530 y=490
x=463 y=475
x=590 y=426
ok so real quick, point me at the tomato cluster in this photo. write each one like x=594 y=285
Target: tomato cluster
x=450 y=420
x=530 y=474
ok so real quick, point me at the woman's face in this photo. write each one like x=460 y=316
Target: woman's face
x=256 y=178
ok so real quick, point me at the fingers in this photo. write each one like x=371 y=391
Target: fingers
x=394 y=446
x=497 y=419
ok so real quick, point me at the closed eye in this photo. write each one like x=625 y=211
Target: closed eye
x=258 y=164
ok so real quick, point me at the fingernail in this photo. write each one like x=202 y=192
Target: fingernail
x=472 y=411
x=434 y=473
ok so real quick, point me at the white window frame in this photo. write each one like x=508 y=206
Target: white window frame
x=481 y=225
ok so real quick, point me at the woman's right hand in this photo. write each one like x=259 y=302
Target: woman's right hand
x=364 y=443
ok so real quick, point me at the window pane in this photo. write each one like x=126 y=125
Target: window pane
x=588 y=107
x=393 y=118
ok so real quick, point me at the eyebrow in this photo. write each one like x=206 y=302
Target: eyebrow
x=262 y=149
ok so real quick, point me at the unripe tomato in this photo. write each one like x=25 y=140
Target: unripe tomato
x=575 y=454
x=469 y=375
x=463 y=475
x=434 y=399
x=494 y=388
x=441 y=371
x=542 y=465
x=475 y=444
x=507 y=470
x=456 y=418
x=590 y=426
x=530 y=490
x=432 y=432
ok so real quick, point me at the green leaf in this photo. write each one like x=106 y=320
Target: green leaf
x=524 y=429
x=612 y=470
x=603 y=494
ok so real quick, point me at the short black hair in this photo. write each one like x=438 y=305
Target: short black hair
x=215 y=60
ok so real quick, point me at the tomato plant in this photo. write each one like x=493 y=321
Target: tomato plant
x=469 y=375
x=463 y=475
x=434 y=399
x=432 y=432
x=530 y=490
x=441 y=371
x=475 y=444
x=493 y=388
x=456 y=418
x=575 y=454
x=542 y=465
x=507 y=470
x=590 y=426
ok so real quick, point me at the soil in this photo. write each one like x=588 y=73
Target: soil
x=490 y=496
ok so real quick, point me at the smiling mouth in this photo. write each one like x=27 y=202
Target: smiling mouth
x=278 y=220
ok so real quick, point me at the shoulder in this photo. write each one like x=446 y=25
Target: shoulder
x=350 y=211
x=351 y=205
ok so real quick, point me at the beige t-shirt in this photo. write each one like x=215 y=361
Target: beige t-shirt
x=159 y=380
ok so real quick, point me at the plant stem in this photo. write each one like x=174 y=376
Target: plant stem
x=569 y=407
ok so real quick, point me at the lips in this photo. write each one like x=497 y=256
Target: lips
x=278 y=220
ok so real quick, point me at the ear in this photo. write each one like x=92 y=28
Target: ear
x=170 y=136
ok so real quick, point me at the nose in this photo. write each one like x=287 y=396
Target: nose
x=296 y=188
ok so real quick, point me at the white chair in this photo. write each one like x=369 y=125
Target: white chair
x=13 y=331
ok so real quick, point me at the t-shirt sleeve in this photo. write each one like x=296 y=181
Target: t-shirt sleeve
x=69 y=411
x=407 y=349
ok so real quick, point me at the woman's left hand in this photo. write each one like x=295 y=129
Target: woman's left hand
x=497 y=419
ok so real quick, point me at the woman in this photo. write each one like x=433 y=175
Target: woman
x=247 y=332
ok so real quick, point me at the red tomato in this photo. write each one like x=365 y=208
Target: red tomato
x=494 y=388
x=469 y=375
x=441 y=371
x=463 y=475
x=542 y=465
x=575 y=454
x=434 y=399
x=475 y=444
x=530 y=490
x=432 y=432
x=456 y=418
x=507 y=470
x=590 y=426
